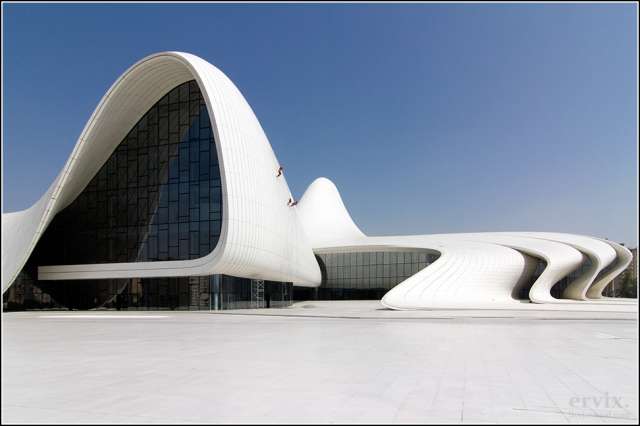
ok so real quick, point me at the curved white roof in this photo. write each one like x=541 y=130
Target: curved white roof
x=474 y=269
x=263 y=237
x=324 y=216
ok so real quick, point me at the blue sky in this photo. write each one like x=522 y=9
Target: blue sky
x=428 y=117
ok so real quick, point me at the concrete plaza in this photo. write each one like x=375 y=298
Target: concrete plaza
x=321 y=362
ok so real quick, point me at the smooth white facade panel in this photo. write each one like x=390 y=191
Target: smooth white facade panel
x=474 y=269
x=600 y=255
x=261 y=235
x=264 y=237
x=560 y=260
x=622 y=261
x=324 y=217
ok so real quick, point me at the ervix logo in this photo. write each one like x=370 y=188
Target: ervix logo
x=604 y=401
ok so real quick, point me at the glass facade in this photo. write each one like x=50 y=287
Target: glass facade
x=364 y=275
x=184 y=293
x=158 y=197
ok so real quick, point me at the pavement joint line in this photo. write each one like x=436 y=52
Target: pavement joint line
x=409 y=369
x=412 y=318
x=321 y=316
x=103 y=316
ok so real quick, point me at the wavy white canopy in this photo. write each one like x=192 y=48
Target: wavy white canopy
x=474 y=269
x=263 y=237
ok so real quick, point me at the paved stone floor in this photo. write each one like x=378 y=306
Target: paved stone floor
x=320 y=363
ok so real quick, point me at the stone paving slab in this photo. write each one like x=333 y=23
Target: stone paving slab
x=172 y=367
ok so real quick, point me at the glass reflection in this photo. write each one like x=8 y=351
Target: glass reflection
x=161 y=184
x=364 y=275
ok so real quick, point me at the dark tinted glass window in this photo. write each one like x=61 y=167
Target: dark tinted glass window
x=164 y=173
x=181 y=293
x=365 y=275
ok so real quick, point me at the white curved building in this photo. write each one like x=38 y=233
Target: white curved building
x=173 y=198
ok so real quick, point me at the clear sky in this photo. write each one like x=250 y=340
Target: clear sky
x=428 y=117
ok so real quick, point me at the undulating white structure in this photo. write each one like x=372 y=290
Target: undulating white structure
x=256 y=230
